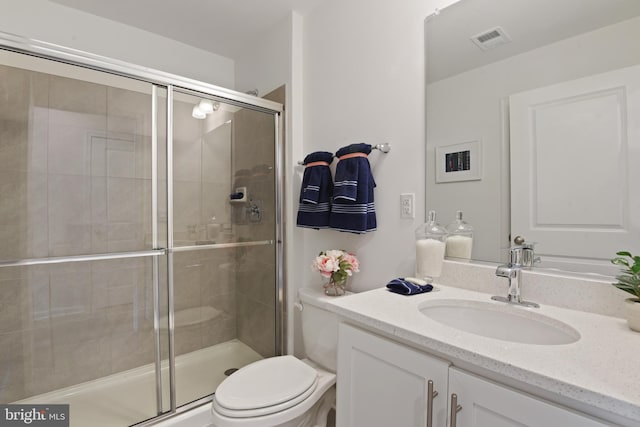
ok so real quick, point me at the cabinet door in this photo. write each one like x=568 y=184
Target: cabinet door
x=485 y=403
x=382 y=383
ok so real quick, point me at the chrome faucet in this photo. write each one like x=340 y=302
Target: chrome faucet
x=520 y=256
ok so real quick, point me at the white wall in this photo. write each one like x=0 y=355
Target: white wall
x=364 y=82
x=467 y=107
x=46 y=21
x=265 y=63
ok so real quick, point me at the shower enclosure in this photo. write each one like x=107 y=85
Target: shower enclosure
x=140 y=235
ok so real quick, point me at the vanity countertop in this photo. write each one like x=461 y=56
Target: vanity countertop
x=600 y=370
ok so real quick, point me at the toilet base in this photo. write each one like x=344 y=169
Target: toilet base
x=312 y=412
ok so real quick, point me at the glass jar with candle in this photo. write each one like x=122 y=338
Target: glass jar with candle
x=460 y=238
x=430 y=249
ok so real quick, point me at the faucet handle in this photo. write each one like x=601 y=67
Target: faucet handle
x=528 y=257
x=515 y=255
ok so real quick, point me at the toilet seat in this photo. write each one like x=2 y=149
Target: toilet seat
x=265 y=387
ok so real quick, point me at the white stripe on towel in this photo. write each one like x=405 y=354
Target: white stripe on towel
x=320 y=207
x=355 y=209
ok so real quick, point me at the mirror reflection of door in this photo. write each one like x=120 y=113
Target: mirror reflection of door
x=467 y=99
x=574 y=149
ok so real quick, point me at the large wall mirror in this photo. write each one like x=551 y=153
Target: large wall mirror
x=544 y=96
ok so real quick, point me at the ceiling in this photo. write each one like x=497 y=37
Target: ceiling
x=529 y=23
x=223 y=27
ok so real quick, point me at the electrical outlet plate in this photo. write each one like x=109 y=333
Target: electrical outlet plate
x=407 y=202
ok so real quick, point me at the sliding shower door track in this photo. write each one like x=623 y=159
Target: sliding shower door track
x=123 y=255
x=83 y=258
x=221 y=246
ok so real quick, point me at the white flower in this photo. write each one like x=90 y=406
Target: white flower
x=334 y=253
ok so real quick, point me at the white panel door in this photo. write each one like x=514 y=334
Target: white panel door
x=382 y=383
x=575 y=156
x=486 y=404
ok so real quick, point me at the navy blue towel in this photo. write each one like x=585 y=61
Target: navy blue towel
x=404 y=287
x=316 y=191
x=353 y=209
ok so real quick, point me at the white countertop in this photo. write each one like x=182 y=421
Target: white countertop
x=600 y=370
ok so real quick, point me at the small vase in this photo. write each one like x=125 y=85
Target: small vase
x=335 y=288
x=633 y=313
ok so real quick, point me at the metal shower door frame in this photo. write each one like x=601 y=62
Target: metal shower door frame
x=170 y=83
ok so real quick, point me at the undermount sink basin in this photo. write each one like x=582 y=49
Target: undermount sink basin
x=500 y=321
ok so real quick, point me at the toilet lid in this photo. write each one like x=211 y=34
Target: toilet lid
x=266 y=386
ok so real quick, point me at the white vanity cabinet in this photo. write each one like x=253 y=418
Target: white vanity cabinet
x=487 y=404
x=382 y=383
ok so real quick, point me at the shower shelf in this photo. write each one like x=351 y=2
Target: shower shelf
x=240 y=195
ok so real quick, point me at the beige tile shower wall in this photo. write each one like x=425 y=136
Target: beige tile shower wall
x=202 y=170
x=216 y=171
x=75 y=161
x=74 y=179
x=22 y=164
x=255 y=298
x=205 y=308
x=254 y=166
x=65 y=324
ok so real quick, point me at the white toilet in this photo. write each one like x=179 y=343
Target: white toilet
x=285 y=391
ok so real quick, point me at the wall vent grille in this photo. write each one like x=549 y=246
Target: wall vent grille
x=491 y=38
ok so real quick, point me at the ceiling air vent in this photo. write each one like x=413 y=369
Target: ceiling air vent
x=492 y=38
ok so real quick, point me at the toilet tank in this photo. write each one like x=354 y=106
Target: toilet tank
x=319 y=328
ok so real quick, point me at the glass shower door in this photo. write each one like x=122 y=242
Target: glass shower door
x=82 y=284
x=223 y=244
x=140 y=239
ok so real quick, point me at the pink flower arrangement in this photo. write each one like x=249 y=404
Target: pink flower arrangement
x=336 y=265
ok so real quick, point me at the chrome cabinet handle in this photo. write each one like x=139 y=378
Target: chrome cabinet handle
x=455 y=408
x=431 y=393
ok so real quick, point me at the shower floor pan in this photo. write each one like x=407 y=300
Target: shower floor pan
x=129 y=397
